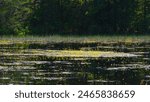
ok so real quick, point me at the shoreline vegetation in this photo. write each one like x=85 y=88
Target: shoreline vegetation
x=76 y=39
x=38 y=17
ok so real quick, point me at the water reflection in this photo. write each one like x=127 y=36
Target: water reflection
x=28 y=68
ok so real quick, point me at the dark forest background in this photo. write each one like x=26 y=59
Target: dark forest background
x=46 y=17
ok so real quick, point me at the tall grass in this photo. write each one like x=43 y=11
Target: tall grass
x=77 y=39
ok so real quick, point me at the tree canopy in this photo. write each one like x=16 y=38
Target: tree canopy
x=41 y=17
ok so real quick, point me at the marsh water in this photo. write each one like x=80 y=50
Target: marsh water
x=20 y=65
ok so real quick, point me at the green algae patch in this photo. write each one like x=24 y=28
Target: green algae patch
x=81 y=53
x=70 y=53
x=5 y=42
x=74 y=53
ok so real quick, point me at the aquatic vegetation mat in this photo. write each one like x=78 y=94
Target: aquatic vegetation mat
x=69 y=53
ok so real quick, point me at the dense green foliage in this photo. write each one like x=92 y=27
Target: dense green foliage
x=74 y=16
x=14 y=15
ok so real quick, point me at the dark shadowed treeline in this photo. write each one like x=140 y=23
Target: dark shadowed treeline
x=40 y=17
